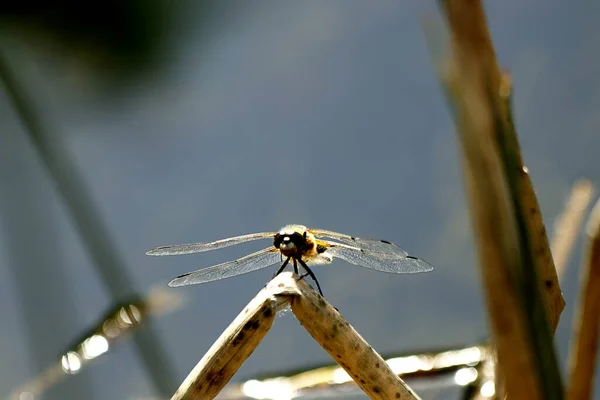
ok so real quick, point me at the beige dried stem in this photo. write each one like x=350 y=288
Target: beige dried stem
x=528 y=209
x=567 y=225
x=586 y=330
x=364 y=365
x=521 y=286
x=566 y=228
x=323 y=322
x=233 y=347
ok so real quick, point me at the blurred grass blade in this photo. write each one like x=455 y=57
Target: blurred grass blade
x=513 y=247
x=109 y=330
x=567 y=225
x=430 y=370
x=586 y=330
x=90 y=226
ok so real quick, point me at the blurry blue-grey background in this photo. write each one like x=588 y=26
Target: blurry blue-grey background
x=264 y=113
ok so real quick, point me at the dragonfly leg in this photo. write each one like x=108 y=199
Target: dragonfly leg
x=285 y=263
x=312 y=275
x=295 y=267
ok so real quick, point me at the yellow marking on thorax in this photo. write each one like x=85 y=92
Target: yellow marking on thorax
x=313 y=251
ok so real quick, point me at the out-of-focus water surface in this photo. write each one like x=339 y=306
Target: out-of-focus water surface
x=326 y=114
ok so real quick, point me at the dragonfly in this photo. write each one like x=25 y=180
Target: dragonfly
x=300 y=246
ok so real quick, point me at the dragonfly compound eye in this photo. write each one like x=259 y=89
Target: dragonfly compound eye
x=287 y=243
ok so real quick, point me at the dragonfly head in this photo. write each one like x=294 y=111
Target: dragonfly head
x=290 y=243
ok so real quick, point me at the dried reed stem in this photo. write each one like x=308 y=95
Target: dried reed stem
x=529 y=208
x=513 y=248
x=232 y=348
x=586 y=328
x=323 y=322
x=366 y=367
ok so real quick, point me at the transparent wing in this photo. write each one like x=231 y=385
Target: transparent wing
x=375 y=245
x=400 y=263
x=201 y=247
x=252 y=262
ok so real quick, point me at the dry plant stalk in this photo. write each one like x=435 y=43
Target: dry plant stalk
x=504 y=212
x=529 y=208
x=232 y=348
x=586 y=328
x=324 y=323
x=566 y=227
x=366 y=367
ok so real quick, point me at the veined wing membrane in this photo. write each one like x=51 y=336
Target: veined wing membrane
x=379 y=246
x=385 y=262
x=191 y=248
x=252 y=262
